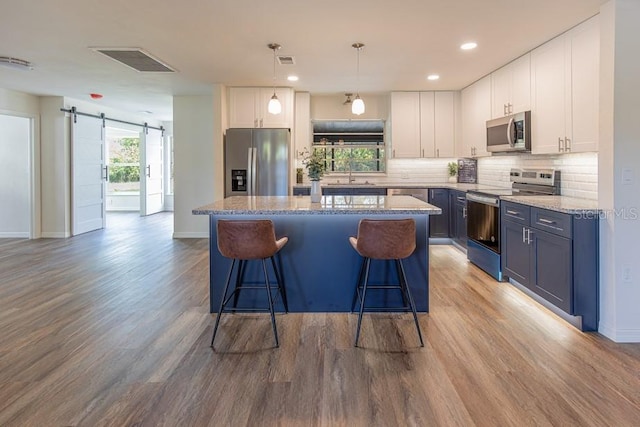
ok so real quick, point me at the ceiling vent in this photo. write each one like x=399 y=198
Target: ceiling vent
x=286 y=60
x=15 y=63
x=136 y=58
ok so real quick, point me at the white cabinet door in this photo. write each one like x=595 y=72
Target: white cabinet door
x=248 y=108
x=405 y=124
x=476 y=110
x=444 y=121
x=550 y=92
x=242 y=107
x=511 y=88
x=500 y=92
x=585 y=75
x=268 y=120
x=427 y=124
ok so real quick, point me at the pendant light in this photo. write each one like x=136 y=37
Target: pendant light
x=274 y=103
x=357 y=106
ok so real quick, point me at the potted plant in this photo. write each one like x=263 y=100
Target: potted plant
x=453 y=171
x=315 y=163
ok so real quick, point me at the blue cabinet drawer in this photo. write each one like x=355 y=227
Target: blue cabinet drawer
x=552 y=222
x=516 y=212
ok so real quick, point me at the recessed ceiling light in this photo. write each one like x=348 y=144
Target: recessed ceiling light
x=433 y=77
x=468 y=45
x=292 y=78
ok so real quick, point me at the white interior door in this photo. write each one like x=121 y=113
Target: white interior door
x=152 y=195
x=87 y=175
x=15 y=177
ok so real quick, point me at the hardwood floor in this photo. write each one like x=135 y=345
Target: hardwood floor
x=112 y=328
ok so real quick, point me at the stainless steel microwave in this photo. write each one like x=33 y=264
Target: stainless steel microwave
x=510 y=133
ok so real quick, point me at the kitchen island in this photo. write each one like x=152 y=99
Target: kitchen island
x=318 y=264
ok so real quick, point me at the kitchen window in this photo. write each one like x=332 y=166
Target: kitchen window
x=355 y=146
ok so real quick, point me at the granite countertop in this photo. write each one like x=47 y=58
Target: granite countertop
x=330 y=205
x=569 y=205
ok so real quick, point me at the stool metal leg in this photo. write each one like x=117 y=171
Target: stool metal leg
x=356 y=292
x=405 y=287
x=281 y=288
x=241 y=267
x=222 y=299
x=273 y=316
x=364 y=294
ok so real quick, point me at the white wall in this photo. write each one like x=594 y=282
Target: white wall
x=197 y=132
x=15 y=179
x=619 y=152
x=327 y=107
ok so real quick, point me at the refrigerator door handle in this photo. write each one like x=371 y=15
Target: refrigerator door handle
x=249 y=171
x=254 y=168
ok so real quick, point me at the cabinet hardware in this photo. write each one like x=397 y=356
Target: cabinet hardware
x=106 y=173
x=437 y=152
x=560 y=145
x=524 y=235
x=423 y=152
x=510 y=108
x=260 y=122
x=464 y=212
x=461 y=199
x=394 y=152
x=504 y=109
x=529 y=233
x=567 y=144
x=149 y=171
x=546 y=221
x=255 y=123
x=510 y=212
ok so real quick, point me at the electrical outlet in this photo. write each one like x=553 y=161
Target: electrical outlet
x=404 y=175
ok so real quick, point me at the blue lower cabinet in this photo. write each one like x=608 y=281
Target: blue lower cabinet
x=458 y=217
x=515 y=252
x=439 y=224
x=554 y=255
x=551 y=269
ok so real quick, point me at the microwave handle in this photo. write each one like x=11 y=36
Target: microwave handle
x=509 y=135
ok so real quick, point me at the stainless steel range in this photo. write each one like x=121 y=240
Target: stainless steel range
x=483 y=214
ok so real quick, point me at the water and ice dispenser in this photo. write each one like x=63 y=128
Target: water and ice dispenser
x=238 y=180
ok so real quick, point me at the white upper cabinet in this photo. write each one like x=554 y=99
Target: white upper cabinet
x=565 y=91
x=476 y=110
x=511 y=88
x=444 y=124
x=423 y=124
x=248 y=108
x=405 y=124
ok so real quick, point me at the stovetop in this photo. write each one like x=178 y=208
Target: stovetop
x=527 y=182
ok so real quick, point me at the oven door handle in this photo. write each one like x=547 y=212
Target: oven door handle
x=491 y=201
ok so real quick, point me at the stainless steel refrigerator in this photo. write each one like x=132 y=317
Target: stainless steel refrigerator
x=256 y=162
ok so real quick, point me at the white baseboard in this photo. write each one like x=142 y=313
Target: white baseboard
x=191 y=235
x=14 y=235
x=619 y=335
x=55 y=235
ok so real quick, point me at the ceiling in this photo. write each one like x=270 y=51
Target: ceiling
x=225 y=41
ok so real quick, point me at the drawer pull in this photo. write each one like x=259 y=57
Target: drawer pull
x=510 y=212
x=546 y=221
x=462 y=199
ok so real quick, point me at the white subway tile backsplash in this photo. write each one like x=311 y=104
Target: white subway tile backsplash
x=579 y=172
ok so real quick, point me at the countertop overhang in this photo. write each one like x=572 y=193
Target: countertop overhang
x=330 y=205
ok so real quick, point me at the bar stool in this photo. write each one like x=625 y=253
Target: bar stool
x=242 y=241
x=387 y=239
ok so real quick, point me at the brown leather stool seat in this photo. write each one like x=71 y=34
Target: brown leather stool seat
x=386 y=239
x=242 y=241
